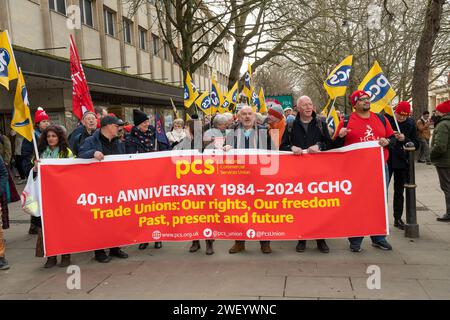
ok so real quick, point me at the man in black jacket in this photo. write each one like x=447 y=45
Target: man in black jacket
x=310 y=134
x=398 y=159
x=102 y=143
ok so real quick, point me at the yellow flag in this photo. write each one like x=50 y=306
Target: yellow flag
x=262 y=102
x=190 y=91
x=333 y=120
x=325 y=109
x=216 y=96
x=230 y=98
x=248 y=88
x=388 y=110
x=378 y=85
x=8 y=66
x=21 y=119
x=338 y=80
x=188 y=117
x=204 y=103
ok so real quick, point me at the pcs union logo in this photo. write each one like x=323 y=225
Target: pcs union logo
x=340 y=78
x=378 y=86
x=4 y=62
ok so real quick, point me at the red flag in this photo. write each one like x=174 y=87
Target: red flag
x=81 y=101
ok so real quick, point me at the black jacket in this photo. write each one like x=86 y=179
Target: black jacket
x=93 y=144
x=317 y=134
x=78 y=140
x=398 y=158
x=134 y=145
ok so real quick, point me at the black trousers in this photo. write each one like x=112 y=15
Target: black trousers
x=401 y=177
x=444 y=181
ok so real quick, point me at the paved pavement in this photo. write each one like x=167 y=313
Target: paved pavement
x=415 y=269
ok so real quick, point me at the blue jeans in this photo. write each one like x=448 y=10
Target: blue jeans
x=356 y=242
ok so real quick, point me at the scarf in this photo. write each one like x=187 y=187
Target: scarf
x=50 y=154
x=276 y=131
x=145 y=138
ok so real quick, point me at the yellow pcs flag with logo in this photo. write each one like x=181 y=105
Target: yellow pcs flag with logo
x=248 y=88
x=204 y=103
x=21 y=119
x=8 y=66
x=381 y=92
x=190 y=91
x=337 y=82
x=230 y=98
x=216 y=96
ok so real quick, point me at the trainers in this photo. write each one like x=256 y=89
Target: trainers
x=398 y=223
x=143 y=246
x=355 y=249
x=4 y=263
x=383 y=245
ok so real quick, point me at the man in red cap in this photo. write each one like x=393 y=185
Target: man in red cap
x=398 y=161
x=440 y=152
x=364 y=125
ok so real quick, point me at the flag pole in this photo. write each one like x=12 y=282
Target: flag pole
x=395 y=119
x=35 y=147
x=331 y=108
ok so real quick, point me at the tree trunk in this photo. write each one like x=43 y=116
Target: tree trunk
x=423 y=56
x=238 y=59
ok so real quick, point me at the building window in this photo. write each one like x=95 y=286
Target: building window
x=127 y=30
x=58 y=6
x=155 y=40
x=86 y=12
x=166 y=52
x=142 y=39
x=110 y=18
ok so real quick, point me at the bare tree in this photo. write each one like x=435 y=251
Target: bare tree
x=424 y=55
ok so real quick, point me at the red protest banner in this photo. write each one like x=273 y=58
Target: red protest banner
x=248 y=195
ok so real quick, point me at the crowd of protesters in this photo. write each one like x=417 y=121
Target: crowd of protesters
x=299 y=130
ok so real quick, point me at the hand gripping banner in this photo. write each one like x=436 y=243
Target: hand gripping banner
x=185 y=195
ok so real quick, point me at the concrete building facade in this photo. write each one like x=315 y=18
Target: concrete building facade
x=126 y=60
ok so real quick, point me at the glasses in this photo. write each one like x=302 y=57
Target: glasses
x=364 y=99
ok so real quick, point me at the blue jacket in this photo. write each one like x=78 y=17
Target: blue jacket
x=93 y=144
x=27 y=146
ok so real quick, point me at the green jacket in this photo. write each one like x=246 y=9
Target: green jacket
x=440 y=145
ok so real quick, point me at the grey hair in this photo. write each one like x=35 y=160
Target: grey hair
x=229 y=115
x=220 y=119
x=178 y=120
